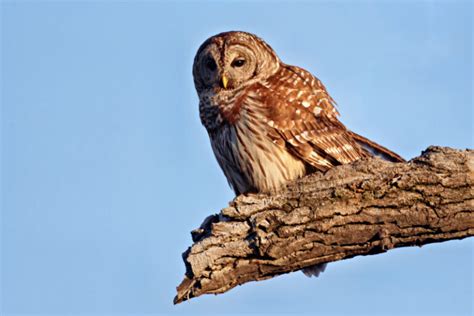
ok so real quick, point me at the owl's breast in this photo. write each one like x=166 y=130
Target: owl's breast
x=221 y=108
x=210 y=116
x=249 y=158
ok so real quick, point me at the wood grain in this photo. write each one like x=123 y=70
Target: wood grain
x=364 y=208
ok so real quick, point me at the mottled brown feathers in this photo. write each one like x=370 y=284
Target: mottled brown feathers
x=268 y=122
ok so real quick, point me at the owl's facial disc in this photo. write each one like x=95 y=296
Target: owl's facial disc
x=239 y=66
x=208 y=67
x=232 y=60
x=227 y=68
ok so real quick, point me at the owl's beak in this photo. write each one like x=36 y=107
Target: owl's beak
x=225 y=81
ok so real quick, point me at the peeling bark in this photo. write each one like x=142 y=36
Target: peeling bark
x=364 y=208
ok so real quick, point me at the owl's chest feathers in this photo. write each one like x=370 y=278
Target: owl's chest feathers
x=230 y=110
x=217 y=110
x=229 y=105
x=245 y=151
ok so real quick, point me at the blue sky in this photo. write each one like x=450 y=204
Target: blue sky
x=106 y=168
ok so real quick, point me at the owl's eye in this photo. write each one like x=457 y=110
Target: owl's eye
x=211 y=64
x=238 y=62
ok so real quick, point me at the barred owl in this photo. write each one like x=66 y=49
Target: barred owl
x=268 y=122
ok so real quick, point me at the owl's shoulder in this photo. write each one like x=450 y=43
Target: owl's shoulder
x=294 y=88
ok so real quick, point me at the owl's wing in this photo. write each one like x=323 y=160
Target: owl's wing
x=303 y=118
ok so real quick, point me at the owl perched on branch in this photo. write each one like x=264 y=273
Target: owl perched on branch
x=270 y=123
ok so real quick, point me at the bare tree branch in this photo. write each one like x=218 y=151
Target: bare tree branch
x=364 y=208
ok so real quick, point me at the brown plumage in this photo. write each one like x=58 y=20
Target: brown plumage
x=269 y=123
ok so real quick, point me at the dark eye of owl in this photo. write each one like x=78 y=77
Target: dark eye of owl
x=211 y=64
x=238 y=62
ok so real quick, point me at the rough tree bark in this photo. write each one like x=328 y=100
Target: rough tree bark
x=367 y=207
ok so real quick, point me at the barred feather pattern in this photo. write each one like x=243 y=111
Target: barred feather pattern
x=271 y=133
x=251 y=160
x=275 y=123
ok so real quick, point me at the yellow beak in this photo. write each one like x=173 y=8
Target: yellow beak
x=225 y=81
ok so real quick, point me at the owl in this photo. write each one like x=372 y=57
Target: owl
x=268 y=122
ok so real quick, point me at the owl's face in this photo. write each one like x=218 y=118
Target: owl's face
x=231 y=60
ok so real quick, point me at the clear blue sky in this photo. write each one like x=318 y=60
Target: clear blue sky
x=106 y=168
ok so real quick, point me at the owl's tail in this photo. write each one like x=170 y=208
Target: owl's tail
x=314 y=270
x=374 y=149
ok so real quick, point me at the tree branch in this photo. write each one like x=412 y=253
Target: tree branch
x=364 y=208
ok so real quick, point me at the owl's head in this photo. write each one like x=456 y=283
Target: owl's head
x=232 y=60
